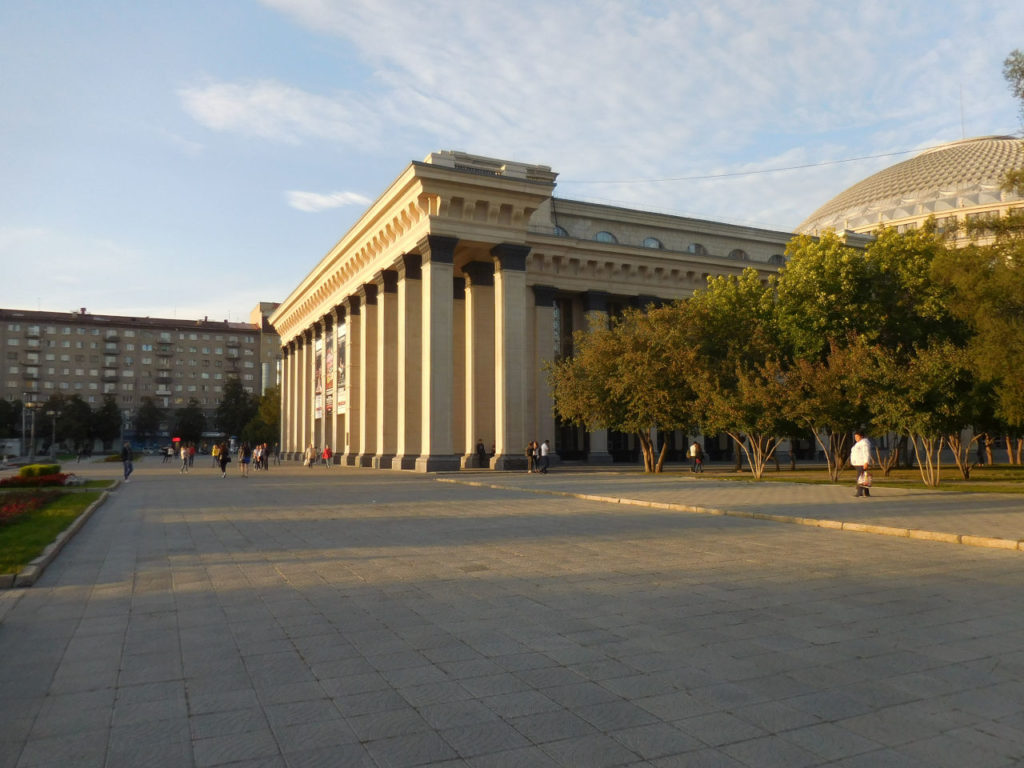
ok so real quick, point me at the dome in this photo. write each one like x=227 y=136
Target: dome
x=952 y=180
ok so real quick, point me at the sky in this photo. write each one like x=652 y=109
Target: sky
x=192 y=158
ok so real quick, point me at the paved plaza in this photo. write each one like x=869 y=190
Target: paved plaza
x=340 y=617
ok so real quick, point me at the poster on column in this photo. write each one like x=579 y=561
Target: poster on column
x=318 y=379
x=339 y=392
x=329 y=378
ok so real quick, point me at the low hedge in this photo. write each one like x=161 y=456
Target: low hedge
x=36 y=470
x=37 y=481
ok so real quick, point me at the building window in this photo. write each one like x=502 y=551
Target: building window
x=777 y=258
x=560 y=231
x=605 y=237
x=697 y=249
x=652 y=242
x=738 y=254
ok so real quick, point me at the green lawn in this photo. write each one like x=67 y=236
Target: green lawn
x=22 y=540
x=1000 y=478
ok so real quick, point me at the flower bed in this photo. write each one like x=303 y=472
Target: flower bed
x=60 y=478
x=13 y=506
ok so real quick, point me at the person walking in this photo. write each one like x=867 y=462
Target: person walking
x=326 y=455
x=545 y=457
x=126 y=460
x=696 y=457
x=531 y=456
x=481 y=453
x=223 y=457
x=183 y=455
x=860 y=459
x=244 y=458
x=215 y=454
x=310 y=456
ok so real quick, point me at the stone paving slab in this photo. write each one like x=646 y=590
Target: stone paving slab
x=352 y=617
x=979 y=519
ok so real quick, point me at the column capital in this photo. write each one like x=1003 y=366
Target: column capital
x=438 y=248
x=386 y=281
x=543 y=295
x=510 y=256
x=367 y=292
x=351 y=305
x=595 y=301
x=339 y=312
x=459 y=288
x=478 y=273
x=409 y=266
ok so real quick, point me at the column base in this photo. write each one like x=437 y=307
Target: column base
x=508 y=462
x=349 y=460
x=448 y=463
x=364 y=460
x=404 y=462
x=471 y=461
x=599 y=457
x=383 y=461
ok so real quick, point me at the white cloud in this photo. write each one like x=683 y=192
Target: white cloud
x=268 y=109
x=314 y=202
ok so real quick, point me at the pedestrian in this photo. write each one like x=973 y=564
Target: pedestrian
x=326 y=455
x=696 y=457
x=310 y=456
x=981 y=450
x=183 y=455
x=545 y=457
x=244 y=458
x=215 y=453
x=191 y=453
x=481 y=453
x=167 y=452
x=126 y=460
x=531 y=456
x=277 y=454
x=860 y=459
x=223 y=457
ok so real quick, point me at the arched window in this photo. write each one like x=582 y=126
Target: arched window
x=560 y=231
x=605 y=237
x=777 y=258
x=697 y=248
x=738 y=254
x=652 y=242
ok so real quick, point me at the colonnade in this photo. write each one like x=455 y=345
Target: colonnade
x=424 y=364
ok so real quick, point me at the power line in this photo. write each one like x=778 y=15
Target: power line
x=742 y=173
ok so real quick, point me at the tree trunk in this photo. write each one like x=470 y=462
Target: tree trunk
x=961 y=453
x=929 y=460
x=661 y=457
x=647 y=451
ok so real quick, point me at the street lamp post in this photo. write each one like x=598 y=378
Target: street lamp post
x=54 y=415
x=33 y=407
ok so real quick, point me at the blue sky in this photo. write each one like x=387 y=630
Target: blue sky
x=189 y=159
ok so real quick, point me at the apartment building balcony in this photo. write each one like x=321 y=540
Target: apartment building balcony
x=32 y=333
x=110 y=376
x=30 y=375
x=163 y=379
x=111 y=336
x=233 y=342
x=163 y=393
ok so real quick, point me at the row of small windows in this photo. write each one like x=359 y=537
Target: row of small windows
x=737 y=254
x=35 y=330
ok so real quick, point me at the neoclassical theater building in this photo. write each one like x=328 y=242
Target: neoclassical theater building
x=426 y=328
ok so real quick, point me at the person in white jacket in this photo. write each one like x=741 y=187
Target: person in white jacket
x=860 y=459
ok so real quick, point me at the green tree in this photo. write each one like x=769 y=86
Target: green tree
x=10 y=418
x=76 y=420
x=631 y=377
x=740 y=366
x=236 y=408
x=106 y=422
x=189 y=422
x=265 y=427
x=147 y=419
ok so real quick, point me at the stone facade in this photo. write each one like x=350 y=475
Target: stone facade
x=427 y=327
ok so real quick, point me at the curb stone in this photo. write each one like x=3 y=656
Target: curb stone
x=34 y=570
x=990 y=542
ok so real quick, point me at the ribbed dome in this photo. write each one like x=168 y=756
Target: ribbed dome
x=952 y=177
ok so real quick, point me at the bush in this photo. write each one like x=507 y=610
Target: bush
x=36 y=481
x=35 y=470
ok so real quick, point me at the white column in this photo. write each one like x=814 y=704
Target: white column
x=595 y=307
x=510 y=355
x=540 y=402
x=409 y=375
x=368 y=377
x=331 y=419
x=436 y=390
x=353 y=400
x=304 y=388
x=387 y=365
x=480 y=392
x=459 y=444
